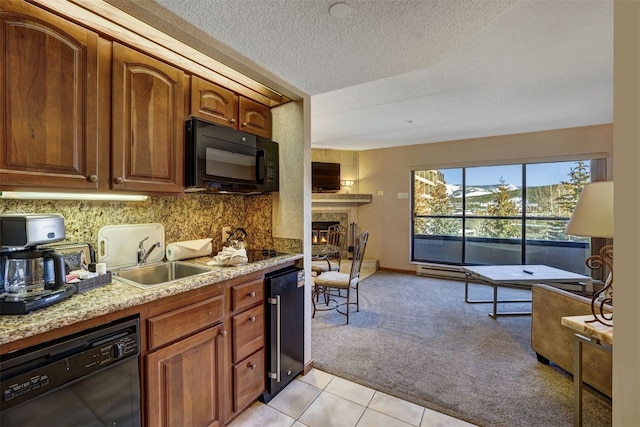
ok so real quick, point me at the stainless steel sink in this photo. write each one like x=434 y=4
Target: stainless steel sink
x=147 y=276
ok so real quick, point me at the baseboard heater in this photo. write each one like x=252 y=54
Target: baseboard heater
x=440 y=271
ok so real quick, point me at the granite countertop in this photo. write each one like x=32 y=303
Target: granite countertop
x=118 y=296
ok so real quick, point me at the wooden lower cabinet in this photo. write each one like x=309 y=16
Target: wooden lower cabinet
x=186 y=381
x=205 y=355
x=248 y=380
x=247 y=352
x=248 y=332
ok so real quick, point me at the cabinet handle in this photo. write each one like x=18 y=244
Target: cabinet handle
x=244 y=124
x=251 y=365
x=223 y=332
x=232 y=121
x=251 y=294
x=119 y=180
x=93 y=178
x=252 y=319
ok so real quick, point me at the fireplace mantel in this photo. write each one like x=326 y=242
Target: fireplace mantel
x=340 y=198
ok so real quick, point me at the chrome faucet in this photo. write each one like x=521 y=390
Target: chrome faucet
x=144 y=254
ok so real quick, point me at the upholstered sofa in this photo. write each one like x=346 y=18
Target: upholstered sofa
x=553 y=342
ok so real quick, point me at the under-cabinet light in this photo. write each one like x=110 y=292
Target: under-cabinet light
x=27 y=195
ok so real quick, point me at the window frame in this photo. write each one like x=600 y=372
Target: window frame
x=597 y=171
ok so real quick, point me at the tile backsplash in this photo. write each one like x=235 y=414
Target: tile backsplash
x=194 y=216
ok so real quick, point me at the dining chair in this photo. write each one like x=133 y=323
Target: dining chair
x=330 y=256
x=335 y=280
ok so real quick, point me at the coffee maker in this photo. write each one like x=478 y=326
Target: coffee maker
x=31 y=276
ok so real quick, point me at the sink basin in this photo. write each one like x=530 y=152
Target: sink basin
x=159 y=274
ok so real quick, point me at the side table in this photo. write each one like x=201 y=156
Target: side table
x=594 y=334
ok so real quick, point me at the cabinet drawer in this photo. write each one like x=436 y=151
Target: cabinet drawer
x=248 y=332
x=248 y=380
x=184 y=321
x=247 y=294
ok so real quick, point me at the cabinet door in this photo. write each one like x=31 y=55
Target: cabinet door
x=48 y=101
x=186 y=381
x=213 y=103
x=255 y=118
x=148 y=123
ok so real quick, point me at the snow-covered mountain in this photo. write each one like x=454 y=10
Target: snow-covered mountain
x=454 y=190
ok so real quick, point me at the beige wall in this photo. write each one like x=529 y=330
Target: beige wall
x=288 y=132
x=348 y=165
x=626 y=349
x=386 y=173
x=292 y=215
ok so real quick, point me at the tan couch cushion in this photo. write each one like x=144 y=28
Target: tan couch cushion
x=554 y=342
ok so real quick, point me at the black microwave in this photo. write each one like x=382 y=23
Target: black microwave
x=219 y=159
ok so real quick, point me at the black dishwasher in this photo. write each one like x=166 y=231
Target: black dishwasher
x=85 y=379
x=284 y=313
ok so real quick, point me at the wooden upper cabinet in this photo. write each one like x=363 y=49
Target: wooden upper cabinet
x=220 y=105
x=213 y=103
x=148 y=123
x=254 y=118
x=49 y=100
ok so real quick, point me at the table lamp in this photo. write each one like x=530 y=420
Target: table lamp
x=593 y=217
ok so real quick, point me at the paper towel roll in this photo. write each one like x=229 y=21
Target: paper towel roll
x=189 y=249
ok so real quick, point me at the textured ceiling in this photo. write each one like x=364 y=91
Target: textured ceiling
x=400 y=72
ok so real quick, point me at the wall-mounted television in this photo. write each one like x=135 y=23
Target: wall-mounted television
x=325 y=177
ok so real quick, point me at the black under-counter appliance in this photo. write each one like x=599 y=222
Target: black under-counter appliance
x=284 y=291
x=86 y=379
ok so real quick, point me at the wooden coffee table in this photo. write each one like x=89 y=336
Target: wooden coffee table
x=523 y=276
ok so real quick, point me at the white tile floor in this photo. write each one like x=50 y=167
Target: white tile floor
x=319 y=399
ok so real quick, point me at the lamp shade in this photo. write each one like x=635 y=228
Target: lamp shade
x=593 y=215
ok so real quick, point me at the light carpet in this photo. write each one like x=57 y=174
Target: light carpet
x=415 y=338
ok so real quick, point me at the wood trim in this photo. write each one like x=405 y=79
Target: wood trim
x=396 y=270
x=114 y=23
x=307 y=367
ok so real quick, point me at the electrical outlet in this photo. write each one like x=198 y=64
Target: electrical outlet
x=225 y=234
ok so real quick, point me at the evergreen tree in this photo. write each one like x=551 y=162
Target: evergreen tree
x=502 y=205
x=570 y=190
x=440 y=204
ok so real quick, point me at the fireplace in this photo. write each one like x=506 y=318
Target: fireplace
x=322 y=219
x=319 y=230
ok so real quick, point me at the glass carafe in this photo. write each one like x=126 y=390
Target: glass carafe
x=29 y=272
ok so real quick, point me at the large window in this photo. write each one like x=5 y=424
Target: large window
x=507 y=214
